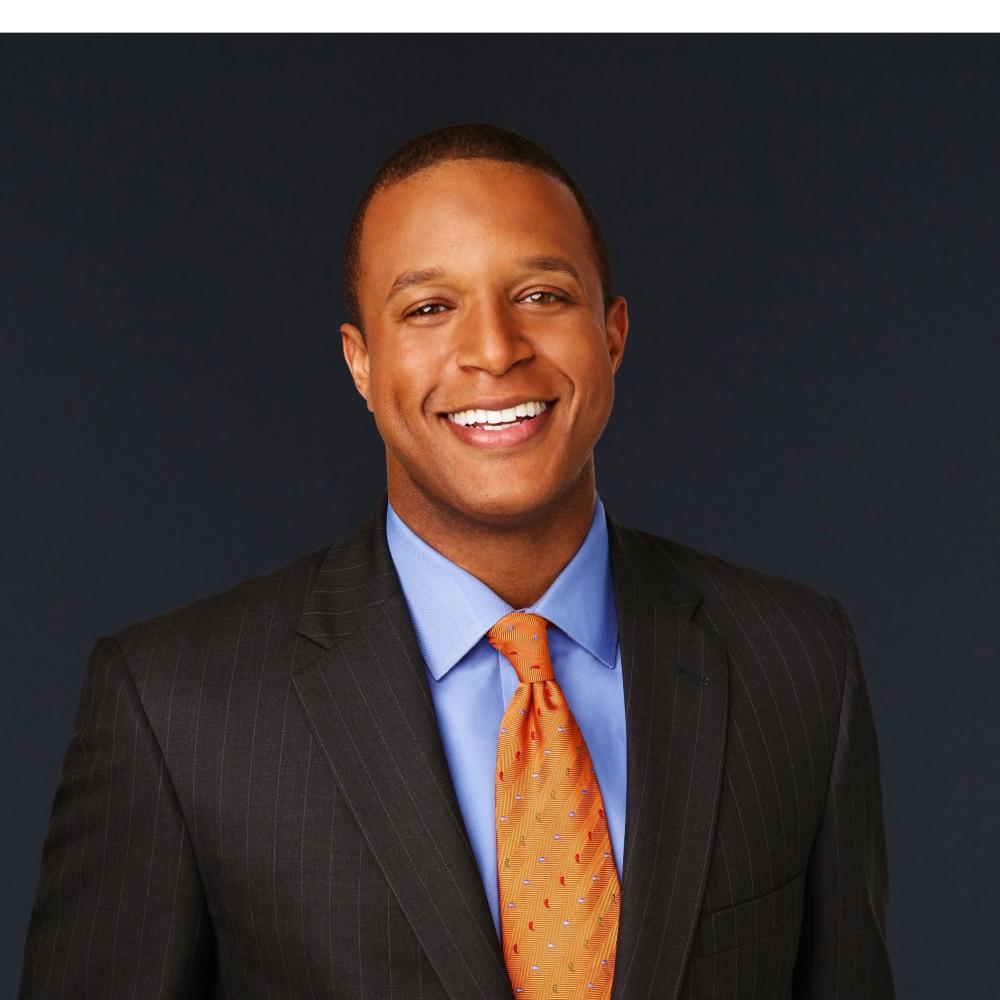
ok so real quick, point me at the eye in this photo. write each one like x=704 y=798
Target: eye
x=531 y=295
x=419 y=311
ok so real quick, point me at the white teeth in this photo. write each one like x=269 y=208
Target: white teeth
x=506 y=416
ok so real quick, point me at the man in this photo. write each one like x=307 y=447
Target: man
x=493 y=742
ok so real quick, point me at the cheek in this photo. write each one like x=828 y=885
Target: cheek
x=593 y=381
x=401 y=391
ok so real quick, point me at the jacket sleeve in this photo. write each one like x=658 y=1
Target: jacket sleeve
x=119 y=911
x=842 y=946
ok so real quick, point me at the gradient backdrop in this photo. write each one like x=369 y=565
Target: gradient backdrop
x=806 y=229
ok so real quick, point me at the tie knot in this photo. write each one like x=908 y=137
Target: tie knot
x=521 y=637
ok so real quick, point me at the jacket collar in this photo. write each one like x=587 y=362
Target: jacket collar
x=453 y=614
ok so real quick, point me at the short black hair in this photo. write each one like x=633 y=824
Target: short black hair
x=464 y=141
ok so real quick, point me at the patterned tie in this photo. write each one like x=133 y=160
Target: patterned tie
x=559 y=891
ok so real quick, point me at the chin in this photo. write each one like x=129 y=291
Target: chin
x=504 y=505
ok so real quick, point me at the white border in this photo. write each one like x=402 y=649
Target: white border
x=509 y=16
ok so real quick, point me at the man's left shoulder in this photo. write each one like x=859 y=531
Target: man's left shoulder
x=746 y=605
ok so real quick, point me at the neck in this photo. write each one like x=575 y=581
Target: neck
x=517 y=560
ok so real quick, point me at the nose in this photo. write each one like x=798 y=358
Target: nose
x=491 y=338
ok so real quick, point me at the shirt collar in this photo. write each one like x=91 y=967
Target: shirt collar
x=452 y=609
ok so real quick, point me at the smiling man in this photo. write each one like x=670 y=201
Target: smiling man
x=493 y=742
x=487 y=353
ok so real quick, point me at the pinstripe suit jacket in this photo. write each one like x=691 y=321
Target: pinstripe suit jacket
x=255 y=802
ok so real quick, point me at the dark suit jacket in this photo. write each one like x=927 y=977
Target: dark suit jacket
x=255 y=803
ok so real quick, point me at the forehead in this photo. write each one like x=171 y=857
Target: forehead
x=466 y=212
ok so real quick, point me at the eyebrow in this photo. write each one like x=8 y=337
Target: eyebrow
x=410 y=278
x=548 y=262
x=540 y=262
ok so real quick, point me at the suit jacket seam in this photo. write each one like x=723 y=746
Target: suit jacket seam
x=141 y=708
x=844 y=629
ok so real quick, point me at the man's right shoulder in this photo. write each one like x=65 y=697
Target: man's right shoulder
x=274 y=594
x=279 y=591
x=256 y=618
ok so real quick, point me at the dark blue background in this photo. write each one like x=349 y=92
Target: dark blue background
x=806 y=229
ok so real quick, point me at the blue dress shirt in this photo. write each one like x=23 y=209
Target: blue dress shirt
x=472 y=684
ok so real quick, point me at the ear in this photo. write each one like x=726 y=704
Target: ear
x=616 y=330
x=356 y=356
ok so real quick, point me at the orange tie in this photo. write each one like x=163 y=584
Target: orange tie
x=558 y=885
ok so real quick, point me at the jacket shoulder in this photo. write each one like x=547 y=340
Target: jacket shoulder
x=734 y=594
x=782 y=634
x=270 y=599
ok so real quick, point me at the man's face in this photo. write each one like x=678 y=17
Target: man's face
x=479 y=291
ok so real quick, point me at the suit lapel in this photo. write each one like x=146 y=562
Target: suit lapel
x=676 y=681
x=367 y=698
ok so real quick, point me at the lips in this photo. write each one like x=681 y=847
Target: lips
x=511 y=435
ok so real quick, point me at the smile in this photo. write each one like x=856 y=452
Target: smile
x=498 y=418
x=500 y=428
